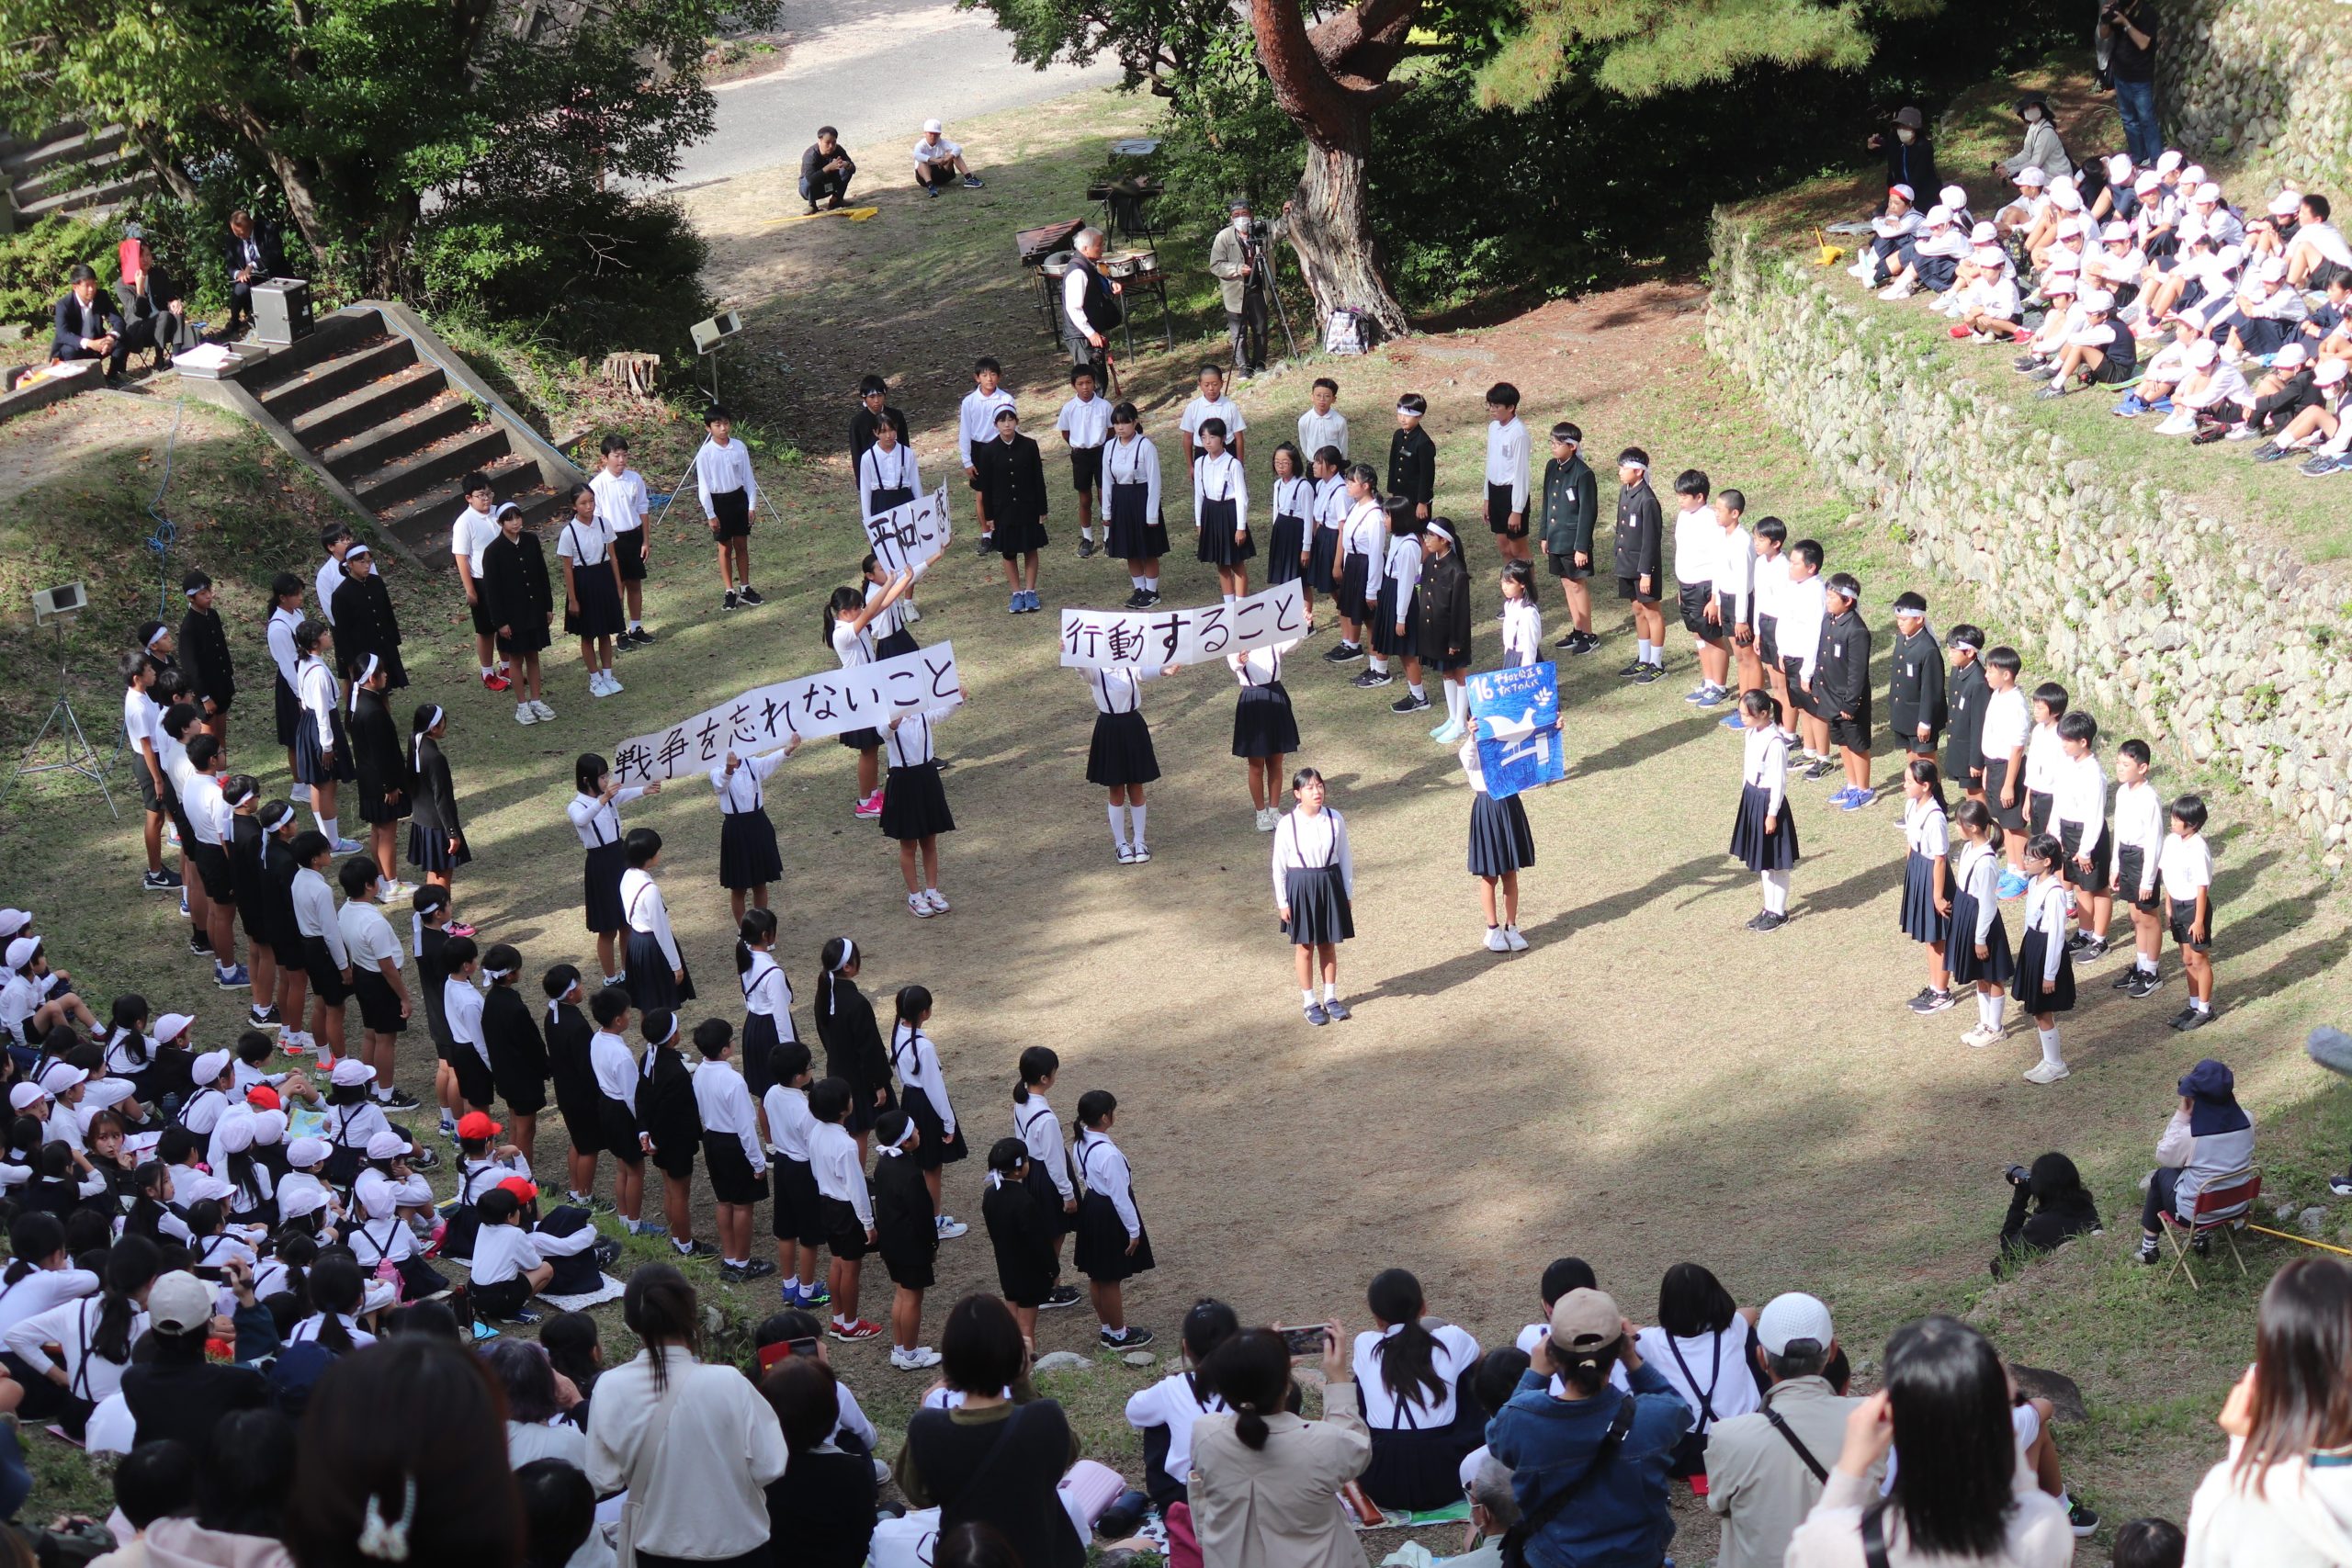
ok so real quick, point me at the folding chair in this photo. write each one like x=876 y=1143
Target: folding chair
x=2221 y=1204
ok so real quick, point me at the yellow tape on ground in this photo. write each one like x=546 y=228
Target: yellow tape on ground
x=854 y=214
x=2299 y=1240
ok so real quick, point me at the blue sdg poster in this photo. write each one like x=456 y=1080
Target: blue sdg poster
x=1518 y=715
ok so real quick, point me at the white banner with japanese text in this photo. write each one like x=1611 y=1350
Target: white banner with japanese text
x=865 y=697
x=911 y=534
x=1109 y=640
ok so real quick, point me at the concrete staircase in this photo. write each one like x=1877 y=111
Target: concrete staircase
x=69 y=168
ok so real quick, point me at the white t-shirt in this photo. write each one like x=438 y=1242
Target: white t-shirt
x=2185 y=866
x=503 y=1252
x=470 y=535
x=622 y=500
x=1714 y=1365
x=585 y=543
x=1456 y=1351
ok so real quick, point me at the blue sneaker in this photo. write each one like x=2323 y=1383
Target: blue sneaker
x=1732 y=721
x=1031 y=595
x=1837 y=796
x=1714 y=696
x=1857 y=798
x=1013 y=604
x=2132 y=407
x=2011 y=886
x=2162 y=405
x=234 y=978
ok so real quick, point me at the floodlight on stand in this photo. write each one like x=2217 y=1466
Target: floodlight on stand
x=710 y=336
x=59 y=607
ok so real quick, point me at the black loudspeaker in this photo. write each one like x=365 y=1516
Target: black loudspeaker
x=281 y=309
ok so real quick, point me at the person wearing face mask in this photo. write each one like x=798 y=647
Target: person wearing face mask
x=1910 y=157
x=2043 y=149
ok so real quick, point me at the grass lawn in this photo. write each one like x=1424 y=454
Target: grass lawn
x=1649 y=1083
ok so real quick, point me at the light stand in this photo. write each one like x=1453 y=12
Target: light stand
x=1266 y=271
x=57 y=607
x=710 y=336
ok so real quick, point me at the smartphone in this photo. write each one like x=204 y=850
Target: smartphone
x=1307 y=1341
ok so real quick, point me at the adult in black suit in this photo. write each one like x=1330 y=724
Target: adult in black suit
x=147 y=294
x=253 y=255
x=89 y=327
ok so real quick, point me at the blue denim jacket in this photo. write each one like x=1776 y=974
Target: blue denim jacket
x=1619 y=1519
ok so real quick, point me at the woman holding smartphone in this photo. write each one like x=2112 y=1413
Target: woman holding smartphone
x=1256 y=1504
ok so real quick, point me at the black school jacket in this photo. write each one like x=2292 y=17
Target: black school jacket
x=518 y=1054
x=431 y=969
x=567 y=1034
x=1641 y=534
x=905 y=1224
x=1962 y=743
x=204 y=648
x=514 y=585
x=854 y=1051
x=1571 y=506
x=1916 y=690
x=1013 y=478
x=1445 y=608
x=379 y=753
x=364 y=623
x=1412 y=464
x=665 y=1102
x=1842 y=671
x=433 y=803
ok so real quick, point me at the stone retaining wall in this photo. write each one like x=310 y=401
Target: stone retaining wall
x=2267 y=76
x=2174 y=623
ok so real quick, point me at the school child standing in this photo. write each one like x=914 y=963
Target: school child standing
x=2078 y=817
x=1927 y=878
x=248 y=854
x=2043 y=755
x=1292 y=505
x=2185 y=868
x=2001 y=744
x=380 y=756
x=592 y=589
x=1024 y=1235
x=730 y=1150
x=469 y=535
x=204 y=643
x=1085 y=422
x=1396 y=615
x=730 y=495
x=619 y=1132
x=1210 y=402
x=1732 y=612
x=1221 y=511
x=974 y=427
x=1013 y=476
x=1965 y=697
x=142 y=724
x=1134 y=526
x=914 y=810
x=1445 y=623
x=2139 y=833
x=207 y=811
x=518 y=1051
x=906 y=1234
x=892 y=637
x=845 y=1027
x=1049 y=1177
x=1120 y=757
x=514 y=572
x=1916 y=703
x=625 y=504
x=569 y=1038
x=1804 y=609
x=665 y=1106
x=361 y=613
x=1112 y=1246
x=1641 y=564
x=1315 y=889
x=1842 y=676
x=1771 y=539
x=1571 y=504
x=767 y=999
x=1507 y=455
x=1696 y=547
x=747 y=858
x=656 y=969
x=321 y=748
x=845 y=1202
x=849 y=618
x=1412 y=458
x=1364 y=546
x=593 y=811
x=1265 y=729
x=2044 y=985
x=795 y=1222
x=375 y=983
x=1764 y=832
x=1320 y=574
x=280 y=868
x=887 y=476
x=437 y=843
x=461 y=1004
x=1502 y=843
x=1323 y=424
x=1522 y=620
x=285 y=618
x=922 y=1094
x=1978 y=947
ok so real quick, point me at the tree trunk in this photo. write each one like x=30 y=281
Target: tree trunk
x=1331 y=229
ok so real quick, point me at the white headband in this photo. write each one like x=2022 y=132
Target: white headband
x=369 y=667
x=160 y=634
x=192 y=592
x=1409 y=414
x=423 y=733
x=357 y=552
x=272 y=820
x=496 y=974
x=849 y=956
x=672 y=1035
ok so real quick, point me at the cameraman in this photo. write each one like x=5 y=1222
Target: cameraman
x=2062 y=1209
x=1237 y=258
x=2127 y=32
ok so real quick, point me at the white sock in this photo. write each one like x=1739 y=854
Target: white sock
x=1997 y=1006
x=1379 y=665
x=1457 y=701
x=1152 y=582
x=1119 y=825
x=2050 y=1055
x=2143 y=961
x=2201 y=1004
x=1331 y=992
x=1984 y=1019
x=1135 y=814
x=486 y=669
x=635 y=625
x=1135 y=582
x=384 y=887
x=1642 y=650
x=1776 y=892
x=383 y=1094
x=327 y=826
x=1419 y=693
x=1306 y=997
x=1232 y=599
x=1087 y=533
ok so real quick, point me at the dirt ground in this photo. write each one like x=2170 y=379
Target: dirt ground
x=1648 y=1083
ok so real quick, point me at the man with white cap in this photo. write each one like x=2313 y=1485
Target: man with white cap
x=937 y=159
x=1765 y=1470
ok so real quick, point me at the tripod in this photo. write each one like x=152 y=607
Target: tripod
x=1281 y=312
x=81 y=757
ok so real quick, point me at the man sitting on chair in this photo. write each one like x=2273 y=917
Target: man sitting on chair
x=89 y=327
x=253 y=257
x=2208 y=1137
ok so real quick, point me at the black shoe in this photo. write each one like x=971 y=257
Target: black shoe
x=1130 y=1339
x=160 y=881
x=1769 y=921
x=1060 y=1296
x=1568 y=641
x=1585 y=642
x=607 y=1251
x=1649 y=672
x=201 y=947
x=731 y=601
x=758 y=1269
x=1085 y=549
x=752 y=595
x=694 y=1249
x=1371 y=678
x=1342 y=653
x=1410 y=703
x=2181 y=1020
x=2082 y=1520
x=2195 y=1018
x=1821 y=770
x=1755 y=921
x=422 y=1159
x=401 y=1100
x=811 y=212
x=525 y=1315
x=2148 y=1255
x=1132 y=601
x=1632 y=670
x=2091 y=951
x=2144 y=985
x=2129 y=978
x=733 y=1274
x=1933 y=1001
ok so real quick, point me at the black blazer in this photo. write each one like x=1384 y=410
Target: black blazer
x=1013 y=478
x=1412 y=464
x=434 y=802
x=364 y=623
x=66 y=341
x=518 y=1054
x=379 y=751
x=514 y=585
x=272 y=257
x=204 y=644
x=1445 y=608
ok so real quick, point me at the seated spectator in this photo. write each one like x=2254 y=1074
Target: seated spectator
x=1930 y=259
x=826 y=169
x=147 y=294
x=2061 y=1209
x=1494 y=1509
x=2208 y=1135
x=823 y=1503
x=1704 y=1346
x=2283 y=391
x=1959 y=1497
x=558 y=1516
x=2022 y=211
x=1984 y=299
x=1262 y=1503
x=2117 y=264
x=2197 y=402
x=1588 y=1464
x=253 y=256
x=1166 y=1412
x=2149 y=1543
x=2097 y=353
x=154 y=1481
x=1889 y=231
x=2323 y=425
x=2282 y=1498
x=177 y=1393
x=89 y=327
x=536 y=1401
x=938 y=159
x=1765 y=1468
x=1407 y=1374
x=244 y=1477
x=2316 y=252
x=2264 y=313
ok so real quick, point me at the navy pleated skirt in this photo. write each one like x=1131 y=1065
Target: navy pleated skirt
x=1319 y=911
x=1920 y=921
x=1121 y=752
x=1500 y=840
x=1960 y=952
x=747 y=852
x=1750 y=844
x=914 y=803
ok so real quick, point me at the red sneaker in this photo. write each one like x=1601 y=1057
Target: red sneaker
x=458 y=928
x=1962 y=332
x=870 y=806
x=852 y=1332
x=495 y=681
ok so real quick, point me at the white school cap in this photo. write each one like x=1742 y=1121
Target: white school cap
x=25 y=1096
x=302 y=1202
x=932 y=128
x=2283 y=205
x=2206 y=195
x=1937 y=218
x=2202 y=353
x=2149 y=180
x=2119 y=167
x=21 y=951
x=1902 y=190
x=235 y=1134
x=2067 y=197
x=14 y=921
x=2115 y=231
x=351 y=1073
x=210 y=1066
x=172 y=1025
x=1987 y=255
x=2193 y=318
x=2190 y=229
x=2289 y=357
x=1984 y=234
x=1790 y=1317
x=2167 y=161
x=270 y=1126
x=61 y=1078
x=2063 y=283
x=2032 y=176
x=2271 y=270
x=1954 y=197
x=2097 y=300
x=386 y=1146
x=306 y=1152
x=2064 y=261
x=2194 y=174
x=2329 y=371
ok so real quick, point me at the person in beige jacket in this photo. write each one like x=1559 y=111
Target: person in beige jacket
x=1264 y=1482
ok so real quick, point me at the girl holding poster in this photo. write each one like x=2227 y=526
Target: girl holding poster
x=1502 y=843
x=1120 y=758
x=849 y=623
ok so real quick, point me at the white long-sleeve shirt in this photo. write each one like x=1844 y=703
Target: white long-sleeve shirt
x=1977 y=874
x=41 y=1290
x=321 y=694
x=596 y=820
x=917 y=1059
x=1506 y=460
x=1735 y=576
x=1764 y=763
x=2140 y=824
x=2008 y=721
x=2047 y=902
x=789 y=1122
x=1317 y=430
x=724 y=1102
x=1175 y=1402
x=1220 y=479
x=721 y=468
x=462 y=1011
x=70 y=1328
x=832 y=1159
x=767 y=992
x=1307 y=839
x=1771 y=583
x=330 y=578
x=1802 y=612
x=1522 y=631
x=1697 y=545
x=893 y=469
x=2080 y=797
x=622 y=500
x=314 y=914
x=1402 y=567
x=1119 y=688
x=1040 y=1131
x=1365 y=532
x=2044 y=757
x=282 y=651
x=976 y=420
x=642 y=906
x=740 y=791
x=1104 y=1170
x=1132 y=463
x=615 y=1068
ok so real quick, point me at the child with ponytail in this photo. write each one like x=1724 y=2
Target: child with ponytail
x=1112 y=1246
x=852 y=1041
x=1406 y=1374
x=849 y=617
x=1978 y=946
x=922 y=1094
x=1048 y=1174
x=767 y=998
x=1927 y=878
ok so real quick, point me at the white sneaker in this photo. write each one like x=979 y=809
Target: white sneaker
x=399 y=892
x=1518 y=943
x=2181 y=423
x=1900 y=290
x=613 y=683
x=2047 y=1072
x=950 y=1227
x=1979 y=1037
x=920 y=1358
x=1864 y=269
x=914 y=611
x=545 y=712
x=523 y=714
x=936 y=899
x=918 y=906
x=1494 y=942
x=1268 y=818
x=1126 y=855
x=596 y=684
x=1143 y=853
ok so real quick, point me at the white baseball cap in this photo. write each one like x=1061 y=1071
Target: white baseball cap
x=210 y=1066
x=1984 y=234
x=2118 y=167
x=2283 y=205
x=61 y=1078
x=2031 y=175
x=178 y=1302
x=21 y=951
x=932 y=128
x=14 y=921
x=2328 y=372
x=2097 y=300
x=2167 y=161
x=295 y=1202
x=1902 y=190
x=2289 y=357
x=2194 y=174
x=2061 y=284
x=2067 y=197
x=2271 y=270
x=2149 y=180
x=2115 y=231
x=1987 y=255
x=386 y=1146
x=2202 y=353
x=2206 y=194
x=1937 y=217
x=306 y=1152
x=24 y=1096
x=172 y=1025
x=351 y=1073
x=1790 y=1317
x=1954 y=197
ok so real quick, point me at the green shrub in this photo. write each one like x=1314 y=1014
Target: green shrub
x=602 y=271
x=35 y=261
